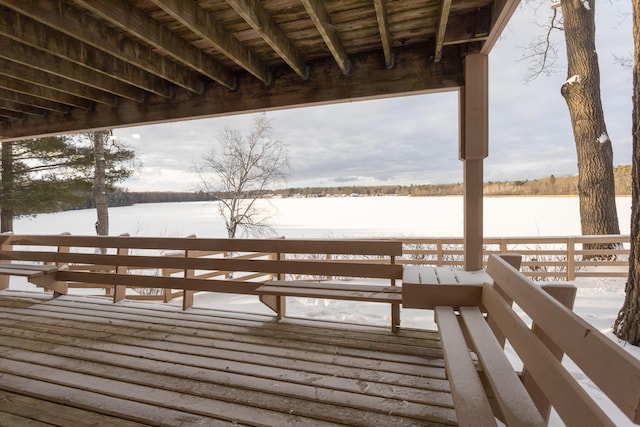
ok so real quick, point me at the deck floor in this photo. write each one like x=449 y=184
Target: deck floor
x=74 y=361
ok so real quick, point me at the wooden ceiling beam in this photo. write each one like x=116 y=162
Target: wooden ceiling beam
x=321 y=19
x=42 y=61
x=22 y=108
x=501 y=13
x=20 y=98
x=368 y=79
x=11 y=114
x=260 y=20
x=43 y=94
x=133 y=21
x=32 y=33
x=192 y=16
x=441 y=28
x=81 y=26
x=385 y=34
x=52 y=81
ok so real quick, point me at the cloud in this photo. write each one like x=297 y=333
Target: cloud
x=414 y=139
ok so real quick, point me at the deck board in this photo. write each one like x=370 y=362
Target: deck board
x=134 y=363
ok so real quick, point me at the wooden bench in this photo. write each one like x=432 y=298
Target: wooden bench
x=484 y=383
x=239 y=266
x=43 y=276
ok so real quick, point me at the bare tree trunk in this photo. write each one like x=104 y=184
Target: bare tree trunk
x=99 y=183
x=627 y=325
x=598 y=214
x=6 y=212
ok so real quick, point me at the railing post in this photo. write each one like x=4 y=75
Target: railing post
x=189 y=273
x=4 y=280
x=571 y=259
x=395 y=307
x=120 y=291
x=439 y=253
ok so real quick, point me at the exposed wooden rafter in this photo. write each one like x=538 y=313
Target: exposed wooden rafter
x=121 y=14
x=37 y=77
x=260 y=20
x=318 y=14
x=30 y=32
x=48 y=63
x=21 y=108
x=205 y=26
x=10 y=114
x=20 y=98
x=441 y=30
x=38 y=93
x=501 y=13
x=385 y=34
x=92 y=32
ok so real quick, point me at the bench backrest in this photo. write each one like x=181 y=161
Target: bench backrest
x=126 y=261
x=558 y=330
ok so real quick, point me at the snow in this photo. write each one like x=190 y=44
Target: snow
x=598 y=299
x=586 y=4
x=603 y=138
x=573 y=79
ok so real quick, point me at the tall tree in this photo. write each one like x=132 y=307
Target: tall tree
x=627 y=325
x=41 y=175
x=239 y=170
x=581 y=91
x=100 y=197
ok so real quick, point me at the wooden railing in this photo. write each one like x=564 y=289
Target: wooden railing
x=198 y=264
x=543 y=258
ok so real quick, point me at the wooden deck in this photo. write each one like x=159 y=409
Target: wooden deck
x=79 y=361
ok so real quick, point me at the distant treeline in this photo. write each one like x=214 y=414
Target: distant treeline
x=549 y=186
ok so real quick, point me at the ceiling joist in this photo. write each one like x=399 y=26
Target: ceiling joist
x=37 y=77
x=318 y=14
x=20 y=28
x=121 y=14
x=20 y=98
x=82 y=27
x=385 y=34
x=205 y=26
x=39 y=93
x=260 y=20
x=441 y=30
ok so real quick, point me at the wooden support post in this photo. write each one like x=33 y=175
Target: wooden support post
x=474 y=147
x=189 y=273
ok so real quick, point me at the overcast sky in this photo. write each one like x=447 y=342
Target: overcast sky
x=414 y=140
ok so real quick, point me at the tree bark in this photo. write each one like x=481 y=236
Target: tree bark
x=598 y=214
x=99 y=183
x=627 y=325
x=6 y=213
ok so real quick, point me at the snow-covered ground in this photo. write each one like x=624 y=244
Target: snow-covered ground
x=598 y=299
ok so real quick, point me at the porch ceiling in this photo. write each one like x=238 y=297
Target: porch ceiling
x=71 y=65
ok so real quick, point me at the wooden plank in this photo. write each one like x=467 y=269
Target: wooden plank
x=9 y=419
x=260 y=351
x=512 y=398
x=44 y=413
x=307 y=401
x=470 y=399
x=331 y=286
x=446 y=276
x=610 y=367
x=431 y=296
x=202 y=318
x=329 y=294
x=570 y=400
x=114 y=406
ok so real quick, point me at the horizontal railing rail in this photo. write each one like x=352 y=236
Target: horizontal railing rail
x=543 y=258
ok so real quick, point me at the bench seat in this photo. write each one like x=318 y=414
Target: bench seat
x=40 y=275
x=369 y=293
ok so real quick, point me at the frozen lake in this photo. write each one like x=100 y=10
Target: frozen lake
x=338 y=217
